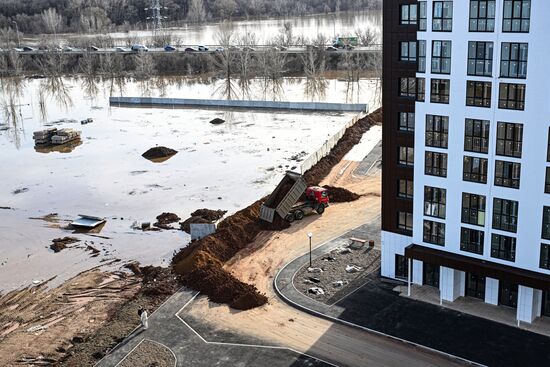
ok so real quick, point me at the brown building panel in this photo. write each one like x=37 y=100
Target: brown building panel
x=392 y=138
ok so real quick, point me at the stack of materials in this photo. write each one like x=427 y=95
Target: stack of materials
x=44 y=136
x=64 y=136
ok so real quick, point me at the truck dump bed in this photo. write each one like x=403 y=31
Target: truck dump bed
x=286 y=194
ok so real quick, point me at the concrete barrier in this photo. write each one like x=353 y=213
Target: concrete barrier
x=269 y=105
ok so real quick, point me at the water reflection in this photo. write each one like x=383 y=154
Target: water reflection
x=64 y=148
x=11 y=107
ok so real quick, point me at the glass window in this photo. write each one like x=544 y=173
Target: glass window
x=442 y=16
x=545 y=256
x=434 y=232
x=412 y=88
x=406 y=121
x=476 y=136
x=513 y=60
x=482 y=15
x=405 y=189
x=421 y=56
x=423 y=16
x=401 y=267
x=471 y=240
x=421 y=89
x=505 y=215
x=408 y=51
x=517 y=15
x=480 y=58
x=474 y=169
x=435 y=202
x=435 y=164
x=441 y=57
x=547 y=181
x=409 y=14
x=478 y=93
x=473 y=209
x=507 y=174
x=437 y=131
x=440 y=90
x=546 y=223
x=511 y=96
x=503 y=247
x=405 y=221
x=406 y=156
x=509 y=139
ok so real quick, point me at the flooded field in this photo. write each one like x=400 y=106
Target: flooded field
x=224 y=166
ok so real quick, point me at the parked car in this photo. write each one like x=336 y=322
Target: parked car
x=169 y=48
x=331 y=48
x=234 y=48
x=248 y=48
x=93 y=48
x=220 y=49
x=120 y=49
x=139 y=48
x=28 y=49
x=68 y=49
x=190 y=49
x=202 y=48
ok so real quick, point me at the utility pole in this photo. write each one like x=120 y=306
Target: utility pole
x=17 y=31
x=156 y=16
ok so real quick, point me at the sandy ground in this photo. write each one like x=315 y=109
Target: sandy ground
x=149 y=353
x=281 y=324
x=38 y=323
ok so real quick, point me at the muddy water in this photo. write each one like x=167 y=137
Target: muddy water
x=224 y=166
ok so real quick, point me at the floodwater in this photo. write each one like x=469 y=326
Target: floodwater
x=224 y=166
x=330 y=25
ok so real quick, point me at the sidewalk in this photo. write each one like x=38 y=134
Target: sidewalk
x=376 y=307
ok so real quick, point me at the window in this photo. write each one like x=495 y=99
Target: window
x=505 y=215
x=548 y=148
x=471 y=240
x=405 y=189
x=476 y=136
x=406 y=121
x=440 y=91
x=509 y=139
x=547 y=181
x=511 y=96
x=474 y=169
x=423 y=10
x=409 y=14
x=473 y=209
x=482 y=15
x=546 y=223
x=408 y=51
x=441 y=57
x=480 y=58
x=405 y=221
x=442 y=16
x=435 y=202
x=503 y=247
x=421 y=56
x=434 y=232
x=412 y=88
x=513 y=60
x=435 y=164
x=545 y=256
x=406 y=156
x=507 y=174
x=517 y=14
x=478 y=94
x=437 y=131
x=401 y=267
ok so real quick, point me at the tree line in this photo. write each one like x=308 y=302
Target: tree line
x=51 y=16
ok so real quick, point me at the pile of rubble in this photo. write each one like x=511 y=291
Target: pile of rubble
x=54 y=136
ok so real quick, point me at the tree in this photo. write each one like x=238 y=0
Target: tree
x=197 y=12
x=52 y=21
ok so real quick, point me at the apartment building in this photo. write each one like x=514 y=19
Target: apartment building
x=466 y=150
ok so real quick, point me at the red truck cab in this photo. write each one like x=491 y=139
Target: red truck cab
x=317 y=194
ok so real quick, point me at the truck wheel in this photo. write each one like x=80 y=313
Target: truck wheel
x=289 y=218
x=298 y=215
x=320 y=209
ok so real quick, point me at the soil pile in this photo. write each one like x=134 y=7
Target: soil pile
x=280 y=194
x=351 y=137
x=340 y=195
x=159 y=152
x=61 y=243
x=186 y=224
x=165 y=219
x=202 y=216
x=217 y=121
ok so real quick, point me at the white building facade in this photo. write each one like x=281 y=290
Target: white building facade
x=481 y=210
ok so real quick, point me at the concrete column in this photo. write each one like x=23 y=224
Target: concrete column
x=409 y=270
x=418 y=274
x=529 y=304
x=451 y=284
x=491 y=291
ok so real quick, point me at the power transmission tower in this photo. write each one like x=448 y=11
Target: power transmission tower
x=156 y=15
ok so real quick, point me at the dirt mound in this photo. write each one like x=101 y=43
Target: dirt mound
x=217 y=121
x=340 y=195
x=165 y=219
x=209 y=214
x=222 y=287
x=351 y=137
x=159 y=152
x=186 y=224
x=61 y=243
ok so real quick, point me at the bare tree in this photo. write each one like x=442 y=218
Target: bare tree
x=197 y=11
x=367 y=37
x=286 y=36
x=52 y=21
x=145 y=67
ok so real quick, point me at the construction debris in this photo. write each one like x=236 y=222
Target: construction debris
x=87 y=121
x=61 y=243
x=165 y=219
x=87 y=221
x=54 y=136
x=314 y=270
x=353 y=269
x=316 y=290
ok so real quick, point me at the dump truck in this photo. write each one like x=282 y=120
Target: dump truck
x=345 y=42
x=289 y=202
